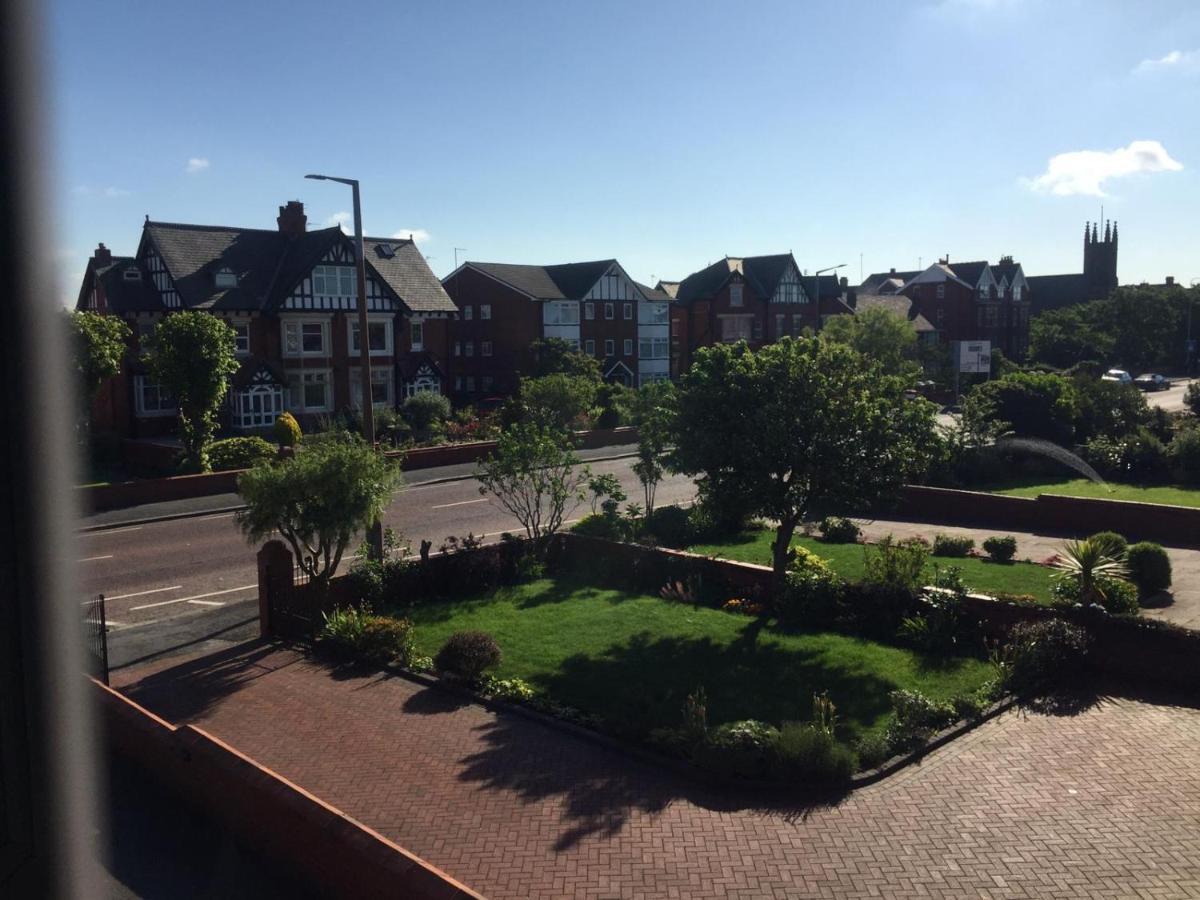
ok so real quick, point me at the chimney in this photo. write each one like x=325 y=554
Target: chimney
x=1170 y=278
x=892 y=270
x=292 y=220
x=102 y=256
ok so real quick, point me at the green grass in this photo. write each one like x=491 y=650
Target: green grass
x=632 y=658
x=1173 y=495
x=847 y=560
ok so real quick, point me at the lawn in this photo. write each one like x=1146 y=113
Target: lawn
x=632 y=658
x=1174 y=495
x=847 y=560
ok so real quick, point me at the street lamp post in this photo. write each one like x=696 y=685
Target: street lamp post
x=817 y=285
x=375 y=531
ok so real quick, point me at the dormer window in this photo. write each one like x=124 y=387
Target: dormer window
x=133 y=273
x=385 y=251
x=226 y=277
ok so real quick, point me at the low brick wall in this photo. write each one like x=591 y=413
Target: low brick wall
x=122 y=495
x=452 y=454
x=268 y=812
x=1177 y=526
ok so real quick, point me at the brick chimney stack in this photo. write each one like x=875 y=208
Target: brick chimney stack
x=102 y=256
x=292 y=220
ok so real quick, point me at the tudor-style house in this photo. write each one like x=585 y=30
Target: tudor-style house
x=758 y=299
x=595 y=306
x=967 y=301
x=291 y=296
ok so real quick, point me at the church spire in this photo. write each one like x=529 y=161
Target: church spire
x=1107 y=232
x=1087 y=233
x=1114 y=239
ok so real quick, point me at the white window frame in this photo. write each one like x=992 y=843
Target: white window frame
x=344 y=280
x=485 y=310
x=780 y=325
x=241 y=342
x=627 y=311
x=380 y=375
x=941 y=291
x=142 y=384
x=737 y=296
x=225 y=277
x=609 y=312
x=589 y=347
x=653 y=348
x=660 y=314
x=352 y=331
x=485 y=348
x=730 y=334
x=245 y=417
x=589 y=311
x=416 y=335
x=627 y=347
x=299 y=325
x=1016 y=292
x=610 y=347
x=469 y=348
x=561 y=312
x=468 y=313
x=301 y=377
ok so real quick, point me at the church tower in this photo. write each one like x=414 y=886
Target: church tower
x=1099 y=260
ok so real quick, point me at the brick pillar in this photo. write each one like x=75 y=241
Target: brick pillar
x=275 y=568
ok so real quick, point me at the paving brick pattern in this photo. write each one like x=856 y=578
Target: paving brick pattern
x=1104 y=803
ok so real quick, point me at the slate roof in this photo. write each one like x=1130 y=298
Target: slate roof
x=970 y=272
x=670 y=288
x=654 y=293
x=1055 y=291
x=269 y=265
x=1003 y=270
x=871 y=285
x=566 y=281
x=762 y=272
x=125 y=296
x=897 y=304
x=251 y=366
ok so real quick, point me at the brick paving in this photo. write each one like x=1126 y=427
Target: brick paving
x=1105 y=803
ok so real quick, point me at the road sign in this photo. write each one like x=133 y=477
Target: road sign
x=974 y=357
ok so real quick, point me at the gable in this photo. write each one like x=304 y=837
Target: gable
x=161 y=278
x=790 y=288
x=614 y=284
x=331 y=284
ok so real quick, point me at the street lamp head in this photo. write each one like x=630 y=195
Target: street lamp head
x=350 y=181
x=317 y=177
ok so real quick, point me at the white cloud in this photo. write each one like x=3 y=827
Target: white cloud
x=342 y=219
x=1187 y=61
x=110 y=192
x=196 y=164
x=1086 y=171
x=115 y=192
x=418 y=235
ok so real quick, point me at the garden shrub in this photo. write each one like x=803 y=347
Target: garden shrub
x=1119 y=597
x=948 y=545
x=896 y=565
x=239 y=453
x=1139 y=456
x=1191 y=397
x=1149 y=567
x=342 y=629
x=609 y=526
x=738 y=748
x=970 y=706
x=939 y=625
x=1039 y=655
x=466 y=654
x=510 y=690
x=1183 y=453
x=839 y=530
x=873 y=750
x=386 y=640
x=425 y=412
x=1001 y=548
x=1111 y=543
x=805 y=753
x=915 y=719
x=286 y=430
x=671 y=526
x=811 y=597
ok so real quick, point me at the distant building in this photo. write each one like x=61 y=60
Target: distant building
x=1097 y=281
x=594 y=306
x=758 y=299
x=291 y=296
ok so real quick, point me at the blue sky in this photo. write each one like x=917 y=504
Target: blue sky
x=666 y=134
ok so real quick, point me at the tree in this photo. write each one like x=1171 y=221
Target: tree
x=800 y=427
x=100 y=341
x=558 y=401
x=880 y=335
x=318 y=500
x=535 y=475
x=652 y=409
x=554 y=356
x=1033 y=404
x=192 y=354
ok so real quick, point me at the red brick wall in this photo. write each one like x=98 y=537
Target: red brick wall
x=618 y=330
x=516 y=323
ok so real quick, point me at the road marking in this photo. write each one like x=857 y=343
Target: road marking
x=221 y=516
x=196 y=597
x=173 y=587
x=94 y=558
x=113 y=530
x=460 y=503
x=208 y=602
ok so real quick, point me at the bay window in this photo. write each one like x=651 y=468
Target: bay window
x=379 y=337
x=561 y=312
x=653 y=348
x=151 y=398
x=381 y=387
x=304 y=337
x=308 y=391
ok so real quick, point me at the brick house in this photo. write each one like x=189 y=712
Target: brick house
x=291 y=296
x=595 y=306
x=758 y=299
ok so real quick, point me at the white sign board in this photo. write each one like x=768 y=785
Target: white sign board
x=975 y=357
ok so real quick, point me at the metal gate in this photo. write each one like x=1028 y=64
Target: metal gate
x=95 y=637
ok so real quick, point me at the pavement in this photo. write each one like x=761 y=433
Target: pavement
x=1101 y=803
x=1171 y=399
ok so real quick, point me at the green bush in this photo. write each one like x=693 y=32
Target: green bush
x=1001 y=548
x=896 y=565
x=1119 y=597
x=970 y=706
x=811 y=597
x=611 y=527
x=510 y=690
x=239 y=453
x=948 y=545
x=1149 y=567
x=1139 y=456
x=738 y=748
x=939 y=626
x=425 y=412
x=386 y=640
x=1039 y=655
x=1183 y=453
x=342 y=629
x=873 y=750
x=286 y=430
x=804 y=753
x=1191 y=397
x=839 y=530
x=1111 y=543
x=915 y=719
x=466 y=654
x=670 y=526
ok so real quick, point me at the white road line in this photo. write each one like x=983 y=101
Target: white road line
x=208 y=602
x=460 y=503
x=173 y=587
x=196 y=597
x=94 y=558
x=221 y=516
x=112 y=531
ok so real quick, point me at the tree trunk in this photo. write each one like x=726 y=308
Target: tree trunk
x=779 y=552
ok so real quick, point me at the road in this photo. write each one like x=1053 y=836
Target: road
x=1171 y=399
x=179 y=583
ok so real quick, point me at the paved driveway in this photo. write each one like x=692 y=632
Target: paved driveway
x=1105 y=803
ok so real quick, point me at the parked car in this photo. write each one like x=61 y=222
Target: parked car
x=1118 y=375
x=1152 y=381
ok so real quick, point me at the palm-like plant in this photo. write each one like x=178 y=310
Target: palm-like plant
x=1090 y=563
